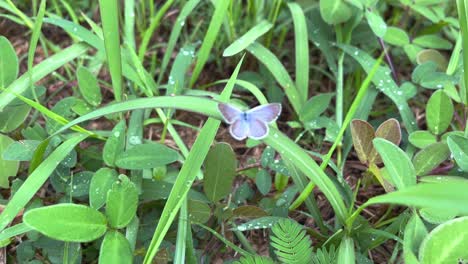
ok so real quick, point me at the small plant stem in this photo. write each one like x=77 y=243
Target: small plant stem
x=389 y=60
x=244 y=241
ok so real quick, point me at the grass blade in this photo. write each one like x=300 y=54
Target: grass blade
x=110 y=26
x=280 y=73
x=34 y=181
x=302 y=50
x=13 y=231
x=210 y=37
x=248 y=38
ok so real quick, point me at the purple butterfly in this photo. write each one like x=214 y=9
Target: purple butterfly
x=252 y=123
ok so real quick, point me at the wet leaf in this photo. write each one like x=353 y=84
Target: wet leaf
x=89 y=87
x=430 y=157
x=422 y=138
x=459 y=147
x=362 y=134
x=439 y=112
x=199 y=211
x=146 y=156
x=220 y=170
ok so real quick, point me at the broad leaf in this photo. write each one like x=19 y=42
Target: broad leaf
x=8 y=167
x=220 y=170
x=422 y=138
x=459 y=147
x=115 y=144
x=100 y=185
x=439 y=112
x=362 y=134
x=67 y=222
x=397 y=163
x=430 y=157
x=121 y=203
x=89 y=87
x=115 y=249
x=146 y=156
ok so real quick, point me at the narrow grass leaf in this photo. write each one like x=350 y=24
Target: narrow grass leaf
x=14 y=231
x=346 y=254
x=280 y=73
x=302 y=49
x=248 y=38
x=219 y=15
x=109 y=10
x=175 y=33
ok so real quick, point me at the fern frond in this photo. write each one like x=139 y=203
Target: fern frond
x=254 y=260
x=324 y=256
x=291 y=243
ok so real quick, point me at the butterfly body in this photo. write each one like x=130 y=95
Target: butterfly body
x=252 y=123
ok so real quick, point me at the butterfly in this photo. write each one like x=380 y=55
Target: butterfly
x=252 y=123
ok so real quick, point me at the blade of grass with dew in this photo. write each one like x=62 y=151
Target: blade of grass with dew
x=35 y=180
x=302 y=50
x=129 y=24
x=248 y=38
x=252 y=88
x=15 y=230
x=152 y=27
x=349 y=116
x=33 y=45
x=70 y=11
x=75 y=30
x=175 y=33
x=109 y=10
x=273 y=64
x=181 y=242
x=40 y=71
x=219 y=14
x=188 y=173
x=384 y=83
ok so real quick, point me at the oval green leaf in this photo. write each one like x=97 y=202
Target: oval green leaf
x=100 y=185
x=397 y=163
x=396 y=36
x=459 y=147
x=146 y=156
x=122 y=202
x=115 y=144
x=67 y=222
x=439 y=112
x=376 y=23
x=422 y=138
x=363 y=134
x=89 y=87
x=430 y=157
x=7 y=167
x=446 y=243
x=115 y=249
x=220 y=170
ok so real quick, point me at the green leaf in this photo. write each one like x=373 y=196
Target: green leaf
x=259 y=223
x=248 y=38
x=115 y=249
x=263 y=181
x=115 y=144
x=422 y=138
x=435 y=216
x=100 y=185
x=199 y=211
x=220 y=170
x=146 y=156
x=397 y=163
x=396 y=36
x=459 y=147
x=430 y=157
x=315 y=106
x=376 y=23
x=67 y=222
x=362 y=134
x=415 y=232
x=122 y=202
x=8 y=63
x=439 y=112
x=432 y=42
x=78 y=185
x=8 y=167
x=438 y=196
x=431 y=55
x=446 y=243
x=291 y=242
x=334 y=11
x=89 y=87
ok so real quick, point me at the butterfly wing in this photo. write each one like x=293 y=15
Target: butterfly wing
x=266 y=113
x=229 y=113
x=239 y=129
x=257 y=129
